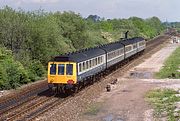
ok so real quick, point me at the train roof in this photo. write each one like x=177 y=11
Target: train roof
x=131 y=40
x=89 y=53
x=120 y=44
x=80 y=56
x=112 y=46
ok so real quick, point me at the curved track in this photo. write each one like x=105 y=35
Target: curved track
x=29 y=93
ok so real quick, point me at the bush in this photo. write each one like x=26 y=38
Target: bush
x=12 y=73
x=35 y=70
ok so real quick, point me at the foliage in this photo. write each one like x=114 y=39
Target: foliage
x=148 y=28
x=35 y=70
x=73 y=27
x=94 y=18
x=12 y=73
x=171 y=66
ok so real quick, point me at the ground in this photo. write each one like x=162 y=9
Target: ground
x=126 y=100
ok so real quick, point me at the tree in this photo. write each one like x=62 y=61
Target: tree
x=94 y=18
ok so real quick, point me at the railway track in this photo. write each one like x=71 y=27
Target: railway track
x=34 y=108
x=21 y=97
x=31 y=109
x=31 y=105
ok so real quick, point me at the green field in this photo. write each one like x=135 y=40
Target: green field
x=171 y=66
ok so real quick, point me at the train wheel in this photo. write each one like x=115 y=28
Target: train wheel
x=76 y=89
x=53 y=90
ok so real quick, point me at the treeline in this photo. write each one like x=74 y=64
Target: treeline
x=175 y=25
x=148 y=28
x=28 y=40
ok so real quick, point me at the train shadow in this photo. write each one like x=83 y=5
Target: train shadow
x=50 y=93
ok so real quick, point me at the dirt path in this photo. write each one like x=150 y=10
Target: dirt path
x=126 y=100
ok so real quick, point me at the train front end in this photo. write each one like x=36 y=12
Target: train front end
x=61 y=75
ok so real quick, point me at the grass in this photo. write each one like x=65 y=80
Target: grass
x=172 y=64
x=93 y=109
x=163 y=101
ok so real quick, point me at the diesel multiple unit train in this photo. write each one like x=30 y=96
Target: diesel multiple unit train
x=71 y=69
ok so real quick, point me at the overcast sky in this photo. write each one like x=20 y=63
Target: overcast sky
x=164 y=9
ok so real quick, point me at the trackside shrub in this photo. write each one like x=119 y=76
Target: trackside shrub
x=12 y=73
x=35 y=70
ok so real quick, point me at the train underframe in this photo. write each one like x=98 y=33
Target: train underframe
x=73 y=88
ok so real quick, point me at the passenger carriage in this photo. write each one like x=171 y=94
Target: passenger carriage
x=67 y=71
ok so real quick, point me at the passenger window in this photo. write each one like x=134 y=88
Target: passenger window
x=134 y=46
x=99 y=60
x=69 y=69
x=128 y=48
x=87 y=65
x=141 y=43
x=108 y=56
x=96 y=61
x=53 y=69
x=122 y=51
x=61 y=69
x=80 y=67
x=84 y=66
x=90 y=63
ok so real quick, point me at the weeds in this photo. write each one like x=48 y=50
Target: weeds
x=93 y=109
x=171 y=67
x=164 y=101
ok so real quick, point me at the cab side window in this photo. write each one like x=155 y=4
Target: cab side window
x=69 y=69
x=53 y=69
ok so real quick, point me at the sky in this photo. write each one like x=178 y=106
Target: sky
x=164 y=9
